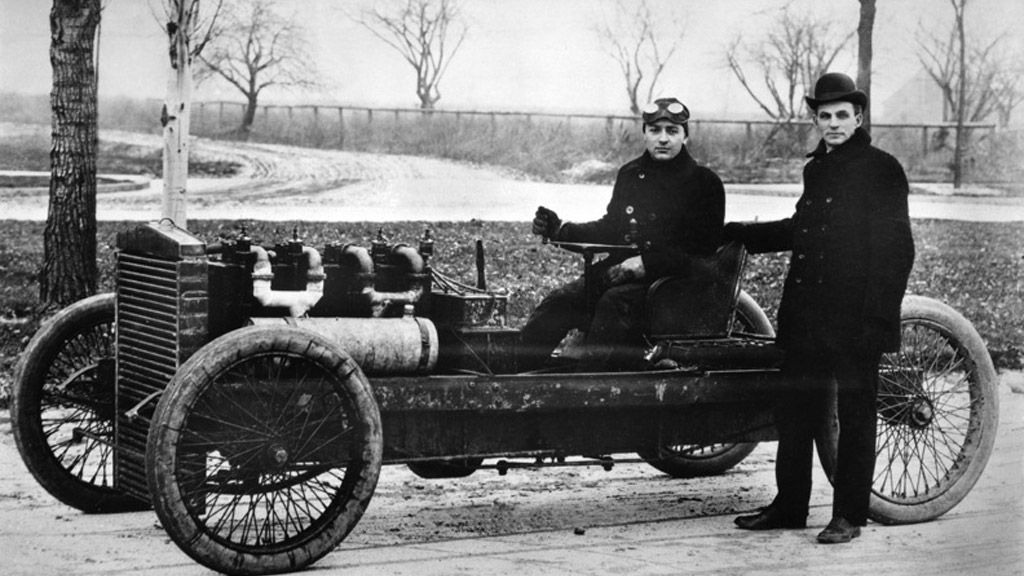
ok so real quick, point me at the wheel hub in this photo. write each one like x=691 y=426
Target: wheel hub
x=921 y=413
x=278 y=455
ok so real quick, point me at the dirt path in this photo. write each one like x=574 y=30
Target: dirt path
x=634 y=521
x=290 y=183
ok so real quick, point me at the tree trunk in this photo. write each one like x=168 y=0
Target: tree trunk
x=177 y=110
x=69 y=271
x=865 y=50
x=248 y=116
x=961 y=135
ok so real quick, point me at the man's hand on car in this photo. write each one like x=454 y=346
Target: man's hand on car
x=546 y=223
x=626 y=271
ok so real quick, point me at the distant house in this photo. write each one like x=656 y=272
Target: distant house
x=919 y=100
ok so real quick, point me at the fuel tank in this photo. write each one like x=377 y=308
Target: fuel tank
x=406 y=345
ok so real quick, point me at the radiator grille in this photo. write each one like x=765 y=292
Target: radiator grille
x=161 y=320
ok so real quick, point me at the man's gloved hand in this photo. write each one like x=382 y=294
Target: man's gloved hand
x=546 y=223
x=628 y=270
x=733 y=231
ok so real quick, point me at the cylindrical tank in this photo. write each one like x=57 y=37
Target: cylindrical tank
x=405 y=345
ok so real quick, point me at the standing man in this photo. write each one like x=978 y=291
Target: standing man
x=852 y=252
x=675 y=206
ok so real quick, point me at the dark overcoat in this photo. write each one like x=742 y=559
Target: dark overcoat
x=679 y=208
x=852 y=251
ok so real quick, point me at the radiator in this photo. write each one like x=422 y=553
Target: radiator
x=162 y=319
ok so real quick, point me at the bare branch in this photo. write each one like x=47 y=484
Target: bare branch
x=632 y=37
x=420 y=30
x=794 y=53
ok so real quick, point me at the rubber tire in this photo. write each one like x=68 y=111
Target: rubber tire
x=696 y=461
x=448 y=468
x=980 y=433
x=61 y=348
x=198 y=375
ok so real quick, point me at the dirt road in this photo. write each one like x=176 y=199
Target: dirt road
x=633 y=519
x=289 y=183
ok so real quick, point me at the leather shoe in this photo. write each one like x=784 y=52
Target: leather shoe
x=769 y=519
x=838 y=531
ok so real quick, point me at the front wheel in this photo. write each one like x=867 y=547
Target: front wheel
x=938 y=410
x=264 y=451
x=695 y=460
x=62 y=407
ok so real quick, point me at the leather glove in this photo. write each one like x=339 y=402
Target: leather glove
x=546 y=223
x=733 y=231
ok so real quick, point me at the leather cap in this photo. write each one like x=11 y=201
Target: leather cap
x=836 y=87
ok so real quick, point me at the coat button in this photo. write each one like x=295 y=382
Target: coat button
x=828 y=200
x=801 y=256
x=642 y=176
x=799 y=280
x=803 y=230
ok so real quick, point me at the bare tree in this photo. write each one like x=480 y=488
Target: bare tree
x=254 y=47
x=985 y=72
x=865 y=52
x=636 y=39
x=976 y=80
x=427 y=33
x=69 y=270
x=796 y=51
x=1008 y=87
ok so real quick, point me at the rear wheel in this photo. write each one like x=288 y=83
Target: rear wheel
x=694 y=460
x=264 y=451
x=938 y=410
x=62 y=407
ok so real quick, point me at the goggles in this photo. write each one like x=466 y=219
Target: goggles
x=665 y=109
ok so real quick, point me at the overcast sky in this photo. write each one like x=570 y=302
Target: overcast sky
x=519 y=54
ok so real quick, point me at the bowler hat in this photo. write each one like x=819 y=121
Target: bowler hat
x=836 y=87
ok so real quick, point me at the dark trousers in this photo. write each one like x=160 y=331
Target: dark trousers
x=613 y=323
x=804 y=414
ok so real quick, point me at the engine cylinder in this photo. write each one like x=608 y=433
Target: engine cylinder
x=380 y=346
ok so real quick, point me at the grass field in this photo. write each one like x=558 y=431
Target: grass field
x=974 y=267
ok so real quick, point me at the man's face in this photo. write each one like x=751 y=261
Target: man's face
x=664 y=139
x=836 y=121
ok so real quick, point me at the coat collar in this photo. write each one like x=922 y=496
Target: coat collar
x=860 y=139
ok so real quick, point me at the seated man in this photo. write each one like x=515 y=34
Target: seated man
x=674 y=206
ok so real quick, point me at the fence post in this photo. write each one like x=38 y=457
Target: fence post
x=220 y=116
x=924 y=142
x=341 y=128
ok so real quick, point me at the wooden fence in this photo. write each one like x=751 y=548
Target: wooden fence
x=223 y=116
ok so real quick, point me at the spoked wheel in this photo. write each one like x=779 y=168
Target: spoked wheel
x=62 y=407
x=264 y=451
x=938 y=409
x=694 y=460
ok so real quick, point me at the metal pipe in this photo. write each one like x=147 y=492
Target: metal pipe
x=403 y=255
x=297 y=303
